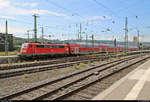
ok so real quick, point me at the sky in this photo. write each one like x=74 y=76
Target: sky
x=61 y=19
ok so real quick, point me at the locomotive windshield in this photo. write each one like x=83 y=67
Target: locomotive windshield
x=24 y=45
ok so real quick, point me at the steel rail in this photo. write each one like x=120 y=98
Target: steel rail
x=67 y=76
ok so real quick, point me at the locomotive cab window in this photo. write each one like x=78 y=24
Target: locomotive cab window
x=24 y=46
x=30 y=46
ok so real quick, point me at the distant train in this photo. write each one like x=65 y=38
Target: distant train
x=46 y=49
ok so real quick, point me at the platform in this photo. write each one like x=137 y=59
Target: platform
x=134 y=86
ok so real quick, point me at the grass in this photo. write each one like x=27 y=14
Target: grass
x=19 y=61
x=9 y=61
x=99 y=54
x=82 y=65
x=96 y=62
x=66 y=70
x=89 y=62
x=110 y=59
x=9 y=53
x=25 y=76
x=75 y=66
x=122 y=53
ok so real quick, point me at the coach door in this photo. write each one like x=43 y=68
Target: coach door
x=76 y=49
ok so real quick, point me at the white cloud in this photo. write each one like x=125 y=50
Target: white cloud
x=4 y=3
x=99 y=18
x=105 y=37
x=18 y=9
x=8 y=3
x=7 y=17
x=26 y=4
x=13 y=30
x=49 y=12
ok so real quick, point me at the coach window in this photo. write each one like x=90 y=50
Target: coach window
x=60 y=46
x=46 y=46
x=50 y=46
x=40 y=46
x=53 y=46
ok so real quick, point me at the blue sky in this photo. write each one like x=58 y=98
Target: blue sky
x=61 y=18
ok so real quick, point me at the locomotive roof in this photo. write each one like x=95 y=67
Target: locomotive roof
x=46 y=43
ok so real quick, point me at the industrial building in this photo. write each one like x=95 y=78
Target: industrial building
x=2 y=42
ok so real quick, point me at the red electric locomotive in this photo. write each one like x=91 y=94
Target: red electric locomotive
x=39 y=49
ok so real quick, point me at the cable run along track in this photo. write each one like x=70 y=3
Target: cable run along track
x=61 y=87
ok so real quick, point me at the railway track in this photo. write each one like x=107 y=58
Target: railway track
x=67 y=85
x=60 y=60
x=29 y=70
x=48 y=62
x=90 y=91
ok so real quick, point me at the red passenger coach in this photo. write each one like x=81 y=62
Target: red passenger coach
x=103 y=48
x=74 y=48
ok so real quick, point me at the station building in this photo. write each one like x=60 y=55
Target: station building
x=2 y=42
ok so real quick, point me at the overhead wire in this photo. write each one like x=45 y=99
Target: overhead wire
x=137 y=17
x=76 y=14
x=66 y=9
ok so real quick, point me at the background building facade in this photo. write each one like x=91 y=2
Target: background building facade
x=2 y=42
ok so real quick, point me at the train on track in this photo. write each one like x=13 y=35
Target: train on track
x=66 y=49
